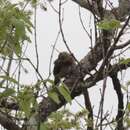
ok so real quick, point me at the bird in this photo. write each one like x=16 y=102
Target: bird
x=63 y=66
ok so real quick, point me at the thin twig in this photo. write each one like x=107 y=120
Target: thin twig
x=123 y=45
x=50 y=63
x=102 y=100
x=81 y=21
x=60 y=25
x=35 y=36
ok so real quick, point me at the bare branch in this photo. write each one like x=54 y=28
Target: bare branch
x=123 y=45
x=117 y=87
x=35 y=36
x=8 y=123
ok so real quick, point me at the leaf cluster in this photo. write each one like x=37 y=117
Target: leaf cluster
x=63 y=90
x=15 y=23
x=109 y=24
x=64 y=119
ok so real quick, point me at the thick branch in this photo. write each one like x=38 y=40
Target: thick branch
x=48 y=106
x=8 y=123
x=89 y=108
x=90 y=61
x=82 y=3
x=119 y=12
x=117 y=87
x=12 y=105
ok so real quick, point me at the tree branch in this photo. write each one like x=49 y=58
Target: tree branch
x=117 y=87
x=123 y=45
x=120 y=12
x=89 y=108
x=48 y=106
x=8 y=123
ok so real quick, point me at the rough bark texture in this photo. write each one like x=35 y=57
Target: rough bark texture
x=8 y=123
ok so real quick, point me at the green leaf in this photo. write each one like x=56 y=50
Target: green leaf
x=54 y=96
x=44 y=126
x=125 y=88
x=18 y=49
x=128 y=122
x=109 y=24
x=114 y=23
x=20 y=28
x=7 y=92
x=125 y=61
x=128 y=83
x=26 y=100
x=28 y=23
x=15 y=25
x=128 y=106
x=34 y=3
x=64 y=91
x=49 y=81
x=9 y=79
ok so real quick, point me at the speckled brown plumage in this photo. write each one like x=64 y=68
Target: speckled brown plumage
x=62 y=66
